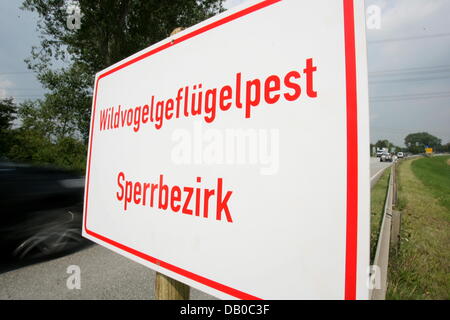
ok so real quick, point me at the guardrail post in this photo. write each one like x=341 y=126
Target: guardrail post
x=394 y=184
x=395 y=230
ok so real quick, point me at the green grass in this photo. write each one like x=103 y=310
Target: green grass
x=377 y=201
x=420 y=269
x=434 y=173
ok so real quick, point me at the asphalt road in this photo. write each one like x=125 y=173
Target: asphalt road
x=376 y=168
x=104 y=274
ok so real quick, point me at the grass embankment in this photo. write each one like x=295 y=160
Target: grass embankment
x=377 y=201
x=421 y=267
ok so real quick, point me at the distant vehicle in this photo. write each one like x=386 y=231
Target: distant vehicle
x=386 y=157
x=400 y=155
x=381 y=151
x=41 y=211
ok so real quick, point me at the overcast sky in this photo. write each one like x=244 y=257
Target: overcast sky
x=409 y=58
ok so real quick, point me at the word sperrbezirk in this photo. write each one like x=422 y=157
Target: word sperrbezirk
x=191 y=200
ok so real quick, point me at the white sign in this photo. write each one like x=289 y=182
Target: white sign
x=233 y=156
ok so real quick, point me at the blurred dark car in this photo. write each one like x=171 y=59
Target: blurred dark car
x=41 y=211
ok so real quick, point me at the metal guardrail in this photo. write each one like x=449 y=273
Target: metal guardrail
x=387 y=236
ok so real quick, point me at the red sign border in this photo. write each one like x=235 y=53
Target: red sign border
x=352 y=154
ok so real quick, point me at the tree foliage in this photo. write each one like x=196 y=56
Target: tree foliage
x=384 y=144
x=8 y=113
x=113 y=29
x=110 y=30
x=417 y=142
x=387 y=144
x=56 y=129
x=35 y=140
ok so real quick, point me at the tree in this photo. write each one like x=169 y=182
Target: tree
x=446 y=147
x=383 y=144
x=34 y=140
x=387 y=144
x=417 y=142
x=8 y=113
x=67 y=59
x=68 y=104
x=112 y=29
